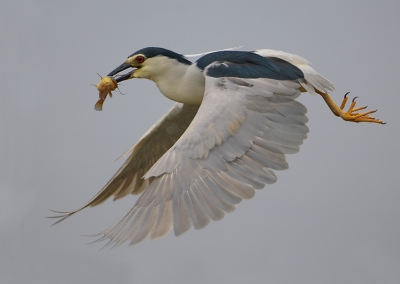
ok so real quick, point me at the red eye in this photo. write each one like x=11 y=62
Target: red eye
x=140 y=59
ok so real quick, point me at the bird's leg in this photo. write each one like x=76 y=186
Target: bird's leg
x=352 y=114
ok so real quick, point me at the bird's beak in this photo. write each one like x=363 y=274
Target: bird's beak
x=120 y=68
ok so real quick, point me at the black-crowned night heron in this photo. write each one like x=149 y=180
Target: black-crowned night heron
x=235 y=120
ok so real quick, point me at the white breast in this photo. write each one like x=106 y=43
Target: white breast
x=182 y=83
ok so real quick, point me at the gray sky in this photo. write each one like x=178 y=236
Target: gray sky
x=333 y=217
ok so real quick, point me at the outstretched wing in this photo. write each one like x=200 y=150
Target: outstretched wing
x=241 y=133
x=143 y=155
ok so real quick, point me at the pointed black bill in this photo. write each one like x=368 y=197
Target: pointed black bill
x=124 y=76
x=120 y=68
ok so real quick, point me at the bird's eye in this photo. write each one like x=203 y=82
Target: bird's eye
x=140 y=59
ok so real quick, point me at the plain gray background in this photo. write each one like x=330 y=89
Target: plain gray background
x=333 y=217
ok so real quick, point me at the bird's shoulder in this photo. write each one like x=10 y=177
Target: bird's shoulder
x=247 y=64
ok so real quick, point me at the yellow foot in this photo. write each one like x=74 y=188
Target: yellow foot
x=353 y=114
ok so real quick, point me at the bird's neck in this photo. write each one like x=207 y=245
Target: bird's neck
x=181 y=83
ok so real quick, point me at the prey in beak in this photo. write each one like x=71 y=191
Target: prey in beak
x=110 y=83
x=121 y=68
x=105 y=86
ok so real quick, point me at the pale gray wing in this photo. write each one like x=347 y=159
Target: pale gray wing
x=143 y=155
x=241 y=133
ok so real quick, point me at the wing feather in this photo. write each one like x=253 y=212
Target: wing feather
x=240 y=134
x=143 y=155
x=164 y=221
x=213 y=211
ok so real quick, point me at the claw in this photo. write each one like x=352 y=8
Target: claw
x=352 y=114
x=360 y=108
x=345 y=98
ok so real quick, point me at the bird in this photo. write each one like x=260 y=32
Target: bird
x=234 y=120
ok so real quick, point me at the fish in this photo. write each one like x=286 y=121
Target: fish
x=105 y=87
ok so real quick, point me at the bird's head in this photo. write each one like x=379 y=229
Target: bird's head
x=150 y=63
